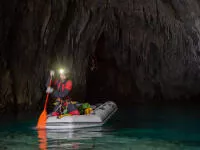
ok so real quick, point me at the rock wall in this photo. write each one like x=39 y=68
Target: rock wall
x=144 y=49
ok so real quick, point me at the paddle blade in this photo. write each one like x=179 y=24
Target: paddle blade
x=42 y=120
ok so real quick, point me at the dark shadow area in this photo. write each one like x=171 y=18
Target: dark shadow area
x=101 y=74
x=105 y=80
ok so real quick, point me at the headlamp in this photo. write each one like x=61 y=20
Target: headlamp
x=61 y=71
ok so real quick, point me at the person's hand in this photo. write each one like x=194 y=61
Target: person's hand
x=52 y=73
x=49 y=90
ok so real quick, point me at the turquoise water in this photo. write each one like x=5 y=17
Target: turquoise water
x=136 y=128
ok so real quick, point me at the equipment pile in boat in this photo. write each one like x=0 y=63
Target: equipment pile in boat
x=90 y=116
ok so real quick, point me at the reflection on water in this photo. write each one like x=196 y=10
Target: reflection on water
x=42 y=137
x=69 y=138
x=75 y=134
x=107 y=138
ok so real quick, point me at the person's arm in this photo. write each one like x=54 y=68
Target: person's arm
x=51 y=76
x=68 y=85
x=54 y=82
x=48 y=82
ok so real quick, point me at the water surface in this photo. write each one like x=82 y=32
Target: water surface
x=138 y=127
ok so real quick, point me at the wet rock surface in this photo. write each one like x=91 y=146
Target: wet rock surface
x=143 y=49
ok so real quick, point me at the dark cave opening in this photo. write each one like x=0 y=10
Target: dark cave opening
x=105 y=79
x=101 y=73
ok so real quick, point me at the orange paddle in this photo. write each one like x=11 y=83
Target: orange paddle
x=43 y=116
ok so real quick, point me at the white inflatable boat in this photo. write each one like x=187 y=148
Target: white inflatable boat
x=98 y=117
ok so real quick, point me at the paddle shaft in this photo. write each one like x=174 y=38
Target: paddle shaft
x=43 y=116
x=47 y=97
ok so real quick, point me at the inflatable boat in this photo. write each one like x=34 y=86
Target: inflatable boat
x=98 y=117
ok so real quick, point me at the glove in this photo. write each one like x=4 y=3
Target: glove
x=49 y=90
x=52 y=73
